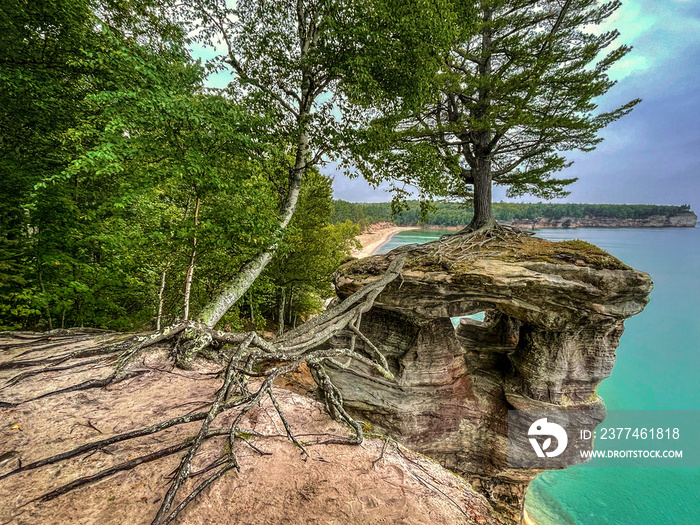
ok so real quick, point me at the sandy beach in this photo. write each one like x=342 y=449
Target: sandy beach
x=376 y=235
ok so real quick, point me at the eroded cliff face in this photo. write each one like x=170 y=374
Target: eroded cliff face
x=682 y=220
x=554 y=314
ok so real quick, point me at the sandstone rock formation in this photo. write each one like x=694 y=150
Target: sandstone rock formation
x=554 y=314
x=682 y=220
x=378 y=482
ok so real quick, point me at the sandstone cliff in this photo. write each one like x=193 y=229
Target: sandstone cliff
x=379 y=482
x=554 y=314
x=682 y=220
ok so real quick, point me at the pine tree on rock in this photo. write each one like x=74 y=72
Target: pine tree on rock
x=517 y=91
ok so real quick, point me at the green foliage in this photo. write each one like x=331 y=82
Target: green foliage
x=73 y=217
x=451 y=214
x=389 y=51
x=312 y=250
x=517 y=90
x=109 y=143
x=44 y=81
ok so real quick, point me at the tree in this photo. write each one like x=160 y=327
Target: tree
x=145 y=145
x=516 y=92
x=296 y=59
x=313 y=249
x=54 y=56
x=195 y=169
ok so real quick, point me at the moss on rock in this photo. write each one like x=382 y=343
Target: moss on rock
x=575 y=252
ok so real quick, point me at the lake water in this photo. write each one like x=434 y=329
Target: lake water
x=657 y=368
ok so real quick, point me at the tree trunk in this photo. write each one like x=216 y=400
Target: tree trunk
x=160 y=296
x=280 y=313
x=291 y=300
x=481 y=156
x=43 y=291
x=250 y=271
x=190 y=268
x=483 y=207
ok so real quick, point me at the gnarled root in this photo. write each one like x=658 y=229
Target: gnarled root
x=467 y=243
x=247 y=356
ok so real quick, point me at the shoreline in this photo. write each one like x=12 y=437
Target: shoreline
x=373 y=240
x=527 y=520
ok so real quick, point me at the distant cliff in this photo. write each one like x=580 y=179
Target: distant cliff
x=681 y=220
x=453 y=214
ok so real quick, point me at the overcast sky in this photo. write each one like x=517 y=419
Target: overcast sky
x=653 y=154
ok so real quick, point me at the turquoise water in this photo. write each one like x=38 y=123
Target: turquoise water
x=658 y=366
x=412 y=237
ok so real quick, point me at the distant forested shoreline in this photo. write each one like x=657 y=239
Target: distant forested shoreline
x=452 y=214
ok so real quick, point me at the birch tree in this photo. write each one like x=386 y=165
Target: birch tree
x=291 y=62
x=297 y=60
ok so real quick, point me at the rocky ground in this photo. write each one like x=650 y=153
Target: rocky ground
x=377 y=482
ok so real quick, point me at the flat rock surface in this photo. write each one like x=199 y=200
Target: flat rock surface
x=377 y=482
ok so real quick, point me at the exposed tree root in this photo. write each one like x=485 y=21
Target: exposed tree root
x=125 y=436
x=33 y=339
x=245 y=356
x=34 y=349
x=26 y=375
x=62 y=358
x=92 y=383
x=283 y=418
x=127 y=465
x=466 y=244
x=381 y=456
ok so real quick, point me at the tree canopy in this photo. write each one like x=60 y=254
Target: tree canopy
x=300 y=61
x=516 y=92
x=130 y=190
x=56 y=256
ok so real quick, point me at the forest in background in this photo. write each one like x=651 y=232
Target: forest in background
x=453 y=214
x=130 y=194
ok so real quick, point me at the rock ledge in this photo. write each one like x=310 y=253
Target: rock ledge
x=553 y=317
